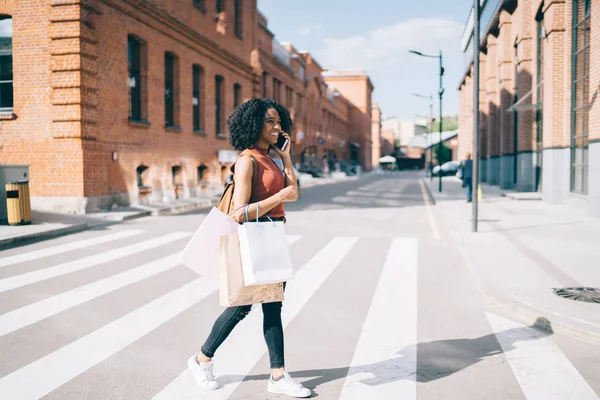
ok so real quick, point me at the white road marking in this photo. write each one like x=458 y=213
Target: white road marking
x=48 y=373
x=63 y=248
x=244 y=348
x=17 y=319
x=384 y=365
x=87 y=262
x=541 y=368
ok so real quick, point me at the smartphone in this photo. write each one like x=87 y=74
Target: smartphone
x=282 y=142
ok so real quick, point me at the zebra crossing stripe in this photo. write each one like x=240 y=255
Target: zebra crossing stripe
x=244 y=347
x=17 y=281
x=384 y=365
x=540 y=367
x=63 y=248
x=35 y=312
x=48 y=373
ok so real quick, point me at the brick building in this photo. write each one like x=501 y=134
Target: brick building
x=539 y=74
x=125 y=102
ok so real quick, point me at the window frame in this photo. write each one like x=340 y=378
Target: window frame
x=237 y=95
x=136 y=112
x=580 y=170
x=169 y=82
x=238 y=16
x=197 y=94
x=9 y=82
x=219 y=85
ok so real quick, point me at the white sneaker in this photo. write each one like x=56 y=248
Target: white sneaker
x=287 y=385
x=203 y=374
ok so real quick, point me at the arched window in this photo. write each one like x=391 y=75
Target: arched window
x=6 y=67
x=141 y=176
x=202 y=173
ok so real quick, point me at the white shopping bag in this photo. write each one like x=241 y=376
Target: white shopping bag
x=265 y=253
x=202 y=253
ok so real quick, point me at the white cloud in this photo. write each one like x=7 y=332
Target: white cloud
x=309 y=29
x=389 y=45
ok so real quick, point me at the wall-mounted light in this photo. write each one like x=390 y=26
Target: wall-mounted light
x=115 y=156
x=544 y=33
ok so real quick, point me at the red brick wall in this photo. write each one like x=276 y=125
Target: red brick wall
x=492 y=98
x=55 y=164
x=72 y=103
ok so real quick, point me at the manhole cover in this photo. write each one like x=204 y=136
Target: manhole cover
x=585 y=294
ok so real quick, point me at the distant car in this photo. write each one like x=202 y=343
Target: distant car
x=447 y=169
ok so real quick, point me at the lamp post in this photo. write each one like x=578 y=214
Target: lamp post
x=475 y=183
x=441 y=94
x=430 y=97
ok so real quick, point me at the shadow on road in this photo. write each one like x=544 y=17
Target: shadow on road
x=434 y=360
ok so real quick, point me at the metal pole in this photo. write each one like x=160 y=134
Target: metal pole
x=475 y=180
x=439 y=146
x=430 y=163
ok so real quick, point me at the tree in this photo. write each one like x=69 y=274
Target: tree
x=450 y=123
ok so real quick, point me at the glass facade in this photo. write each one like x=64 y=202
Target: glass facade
x=580 y=96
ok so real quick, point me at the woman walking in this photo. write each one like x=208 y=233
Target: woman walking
x=255 y=127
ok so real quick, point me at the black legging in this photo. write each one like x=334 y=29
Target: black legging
x=272 y=329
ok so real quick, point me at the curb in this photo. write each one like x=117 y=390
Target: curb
x=40 y=236
x=68 y=230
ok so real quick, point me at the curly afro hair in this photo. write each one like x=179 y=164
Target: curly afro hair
x=246 y=122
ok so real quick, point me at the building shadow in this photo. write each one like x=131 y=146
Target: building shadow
x=433 y=360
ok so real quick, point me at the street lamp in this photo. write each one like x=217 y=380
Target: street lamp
x=441 y=94
x=430 y=97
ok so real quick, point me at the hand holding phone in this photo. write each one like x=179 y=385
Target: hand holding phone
x=282 y=142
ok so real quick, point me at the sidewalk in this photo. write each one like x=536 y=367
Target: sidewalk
x=525 y=248
x=47 y=225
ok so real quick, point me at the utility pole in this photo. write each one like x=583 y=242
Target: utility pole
x=441 y=92
x=475 y=180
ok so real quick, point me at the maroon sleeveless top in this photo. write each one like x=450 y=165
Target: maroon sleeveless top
x=270 y=181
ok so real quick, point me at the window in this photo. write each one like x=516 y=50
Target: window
x=140 y=172
x=237 y=95
x=6 y=67
x=218 y=104
x=298 y=104
x=264 y=85
x=201 y=171
x=219 y=7
x=197 y=80
x=238 y=26
x=134 y=58
x=539 y=116
x=580 y=95
x=276 y=89
x=170 y=93
x=289 y=97
x=516 y=118
x=176 y=175
x=201 y=4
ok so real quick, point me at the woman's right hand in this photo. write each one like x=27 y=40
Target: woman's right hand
x=288 y=194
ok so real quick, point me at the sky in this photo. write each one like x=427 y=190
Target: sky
x=376 y=36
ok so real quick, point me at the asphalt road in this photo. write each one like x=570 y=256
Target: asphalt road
x=381 y=307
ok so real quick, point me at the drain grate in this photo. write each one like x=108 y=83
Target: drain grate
x=585 y=294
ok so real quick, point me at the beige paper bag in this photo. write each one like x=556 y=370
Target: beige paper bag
x=232 y=290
